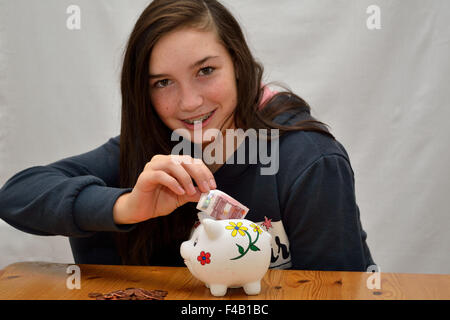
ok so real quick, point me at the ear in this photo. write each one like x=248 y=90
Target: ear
x=213 y=228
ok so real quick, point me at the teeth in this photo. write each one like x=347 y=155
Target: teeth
x=201 y=119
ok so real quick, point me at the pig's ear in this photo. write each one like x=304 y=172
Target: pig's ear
x=212 y=228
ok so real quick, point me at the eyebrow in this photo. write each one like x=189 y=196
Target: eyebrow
x=196 y=64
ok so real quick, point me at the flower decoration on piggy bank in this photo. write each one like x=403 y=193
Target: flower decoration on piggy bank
x=229 y=253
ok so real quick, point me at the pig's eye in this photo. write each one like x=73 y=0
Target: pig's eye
x=195 y=242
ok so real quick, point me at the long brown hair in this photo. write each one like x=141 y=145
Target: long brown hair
x=143 y=134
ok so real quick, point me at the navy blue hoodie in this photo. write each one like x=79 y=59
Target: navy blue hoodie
x=308 y=206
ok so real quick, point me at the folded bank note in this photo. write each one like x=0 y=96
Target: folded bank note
x=219 y=205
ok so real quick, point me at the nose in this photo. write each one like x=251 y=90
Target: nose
x=190 y=98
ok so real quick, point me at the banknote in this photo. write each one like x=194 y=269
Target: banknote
x=220 y=205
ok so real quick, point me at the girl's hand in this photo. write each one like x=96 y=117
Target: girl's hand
x=164 y=185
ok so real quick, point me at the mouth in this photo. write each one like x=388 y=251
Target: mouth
x=202 y=120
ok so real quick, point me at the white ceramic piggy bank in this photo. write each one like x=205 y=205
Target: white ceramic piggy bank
x=229 y=253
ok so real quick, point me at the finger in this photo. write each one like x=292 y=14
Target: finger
x=160 y=177
x=180 y=173
x=171 y=165
x=200 y=173
x=182 y=199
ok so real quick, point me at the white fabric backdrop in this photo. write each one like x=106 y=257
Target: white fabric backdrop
x=383 y=92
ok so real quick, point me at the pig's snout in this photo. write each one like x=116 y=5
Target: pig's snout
x=185 y=249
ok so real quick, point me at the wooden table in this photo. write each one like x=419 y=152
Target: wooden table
x=47 y=281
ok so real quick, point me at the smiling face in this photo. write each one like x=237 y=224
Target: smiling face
x=192 y=81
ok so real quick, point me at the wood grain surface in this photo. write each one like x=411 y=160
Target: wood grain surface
x=47 y=281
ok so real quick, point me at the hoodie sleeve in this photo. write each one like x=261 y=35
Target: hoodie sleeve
x=72 y=197
x=322 y=218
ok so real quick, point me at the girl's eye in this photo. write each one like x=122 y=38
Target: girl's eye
x=206 y=71
x=161 y=83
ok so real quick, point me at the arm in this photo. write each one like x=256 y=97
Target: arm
x=322 y=218
x=71 y=197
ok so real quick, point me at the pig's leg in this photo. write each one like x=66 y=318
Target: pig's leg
x=253 y=288
x=218 y=290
